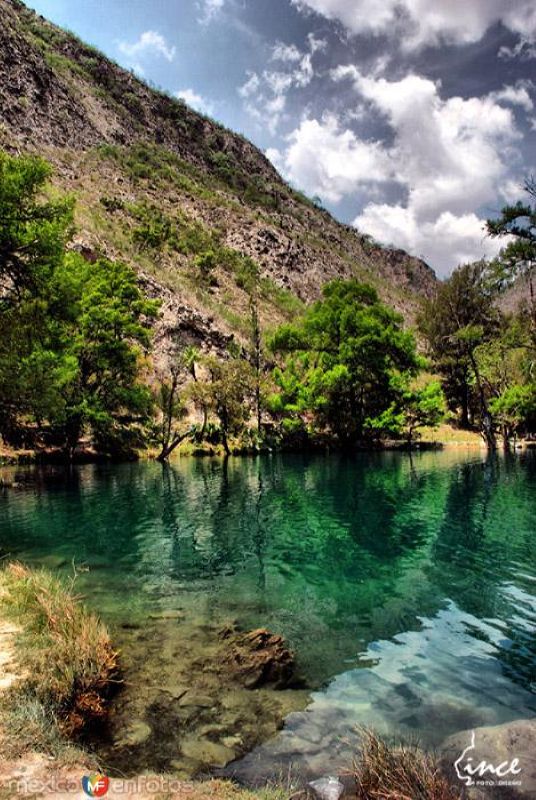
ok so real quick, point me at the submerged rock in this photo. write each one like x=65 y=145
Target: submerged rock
x=138 y=732
x=259 y=658
x=206 y=752
x=208 y=695
x=192 y=698
x=170 y=614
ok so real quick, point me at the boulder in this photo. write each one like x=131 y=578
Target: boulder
x=206 y=752
x=136 y=734
x=259 y=658
x=496 y=745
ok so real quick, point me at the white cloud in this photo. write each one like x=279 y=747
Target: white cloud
x=418 y=23
x=444 y=242
x=512 y=189
x=285 y=52
x=265 y=95
x=305 y=73
x=325 y=160
x=210 y=9
x=149 y=43
x=195 y=100
x=316 y=45
x=278 y=82
x=524 y=50
x=449 y=158
x=450 y=154
x=517 y=95
x=251 y=86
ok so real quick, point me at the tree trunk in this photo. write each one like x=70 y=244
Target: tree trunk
x=487 y=420
x=72 y=437
x=532 y=307
x=464 y=421
x=257 y=354
x=168 y=448
x=225 y=442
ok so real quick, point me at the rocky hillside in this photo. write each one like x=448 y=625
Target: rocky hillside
x=175 y=194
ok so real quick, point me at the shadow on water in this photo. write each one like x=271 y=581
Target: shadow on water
x=404 y=584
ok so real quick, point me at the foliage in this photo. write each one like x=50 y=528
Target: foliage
x=343 y=360
x=485 y=358
x=518 y=258
x=412 y=409
x=71 y=332
x=100 y=348
x=385 y=772
x=227 y=393
x=172 y=403
x=515 y=407
x=455 y=322
x=33 y=228
x=64 y=651
x=517 y=221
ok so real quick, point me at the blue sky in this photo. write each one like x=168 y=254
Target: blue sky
x=412 y=120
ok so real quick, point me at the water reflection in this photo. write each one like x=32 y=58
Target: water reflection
x=405 y=585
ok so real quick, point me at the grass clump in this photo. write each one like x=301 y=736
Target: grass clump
x=384 y=772
x=65 y=656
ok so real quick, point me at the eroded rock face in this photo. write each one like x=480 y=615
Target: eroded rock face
x=259 y=658
x=498 y=746
x=64 y=100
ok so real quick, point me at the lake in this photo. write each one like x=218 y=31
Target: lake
x=405 y=585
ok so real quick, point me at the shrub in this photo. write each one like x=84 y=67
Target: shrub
x=384 y=772
x=206 y=263
x=112 y=204
x=64 y=651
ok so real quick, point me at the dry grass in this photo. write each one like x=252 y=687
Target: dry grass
x=384 y=772
x=450 y=435
x=64 y=653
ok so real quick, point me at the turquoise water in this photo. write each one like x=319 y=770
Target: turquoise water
x=405 y=585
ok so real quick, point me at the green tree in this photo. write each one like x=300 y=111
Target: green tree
x=413 y=408
x=172 y=403
x=505 y=365
x=100 y=344
x=227 y=393
x=515 y=409
x=33 y=232
x=33 y=228
x=460 y=318
x=341 y=359
x=518 y=258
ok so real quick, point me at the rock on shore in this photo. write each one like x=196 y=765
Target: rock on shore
x=497 y=744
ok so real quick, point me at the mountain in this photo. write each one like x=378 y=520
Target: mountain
x=175 y=194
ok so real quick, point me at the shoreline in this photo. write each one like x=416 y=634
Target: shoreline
x=37 y=458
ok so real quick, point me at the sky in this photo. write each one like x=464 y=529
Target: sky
x=414 y=120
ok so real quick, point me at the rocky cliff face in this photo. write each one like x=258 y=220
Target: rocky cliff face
x=129 y=152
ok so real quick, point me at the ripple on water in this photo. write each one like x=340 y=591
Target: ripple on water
x=405 y=585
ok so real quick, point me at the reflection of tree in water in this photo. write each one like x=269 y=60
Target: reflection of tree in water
x=212 y=512
x=86 y=513
x=314 y=547
x=475 y=554
x=332 y=551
